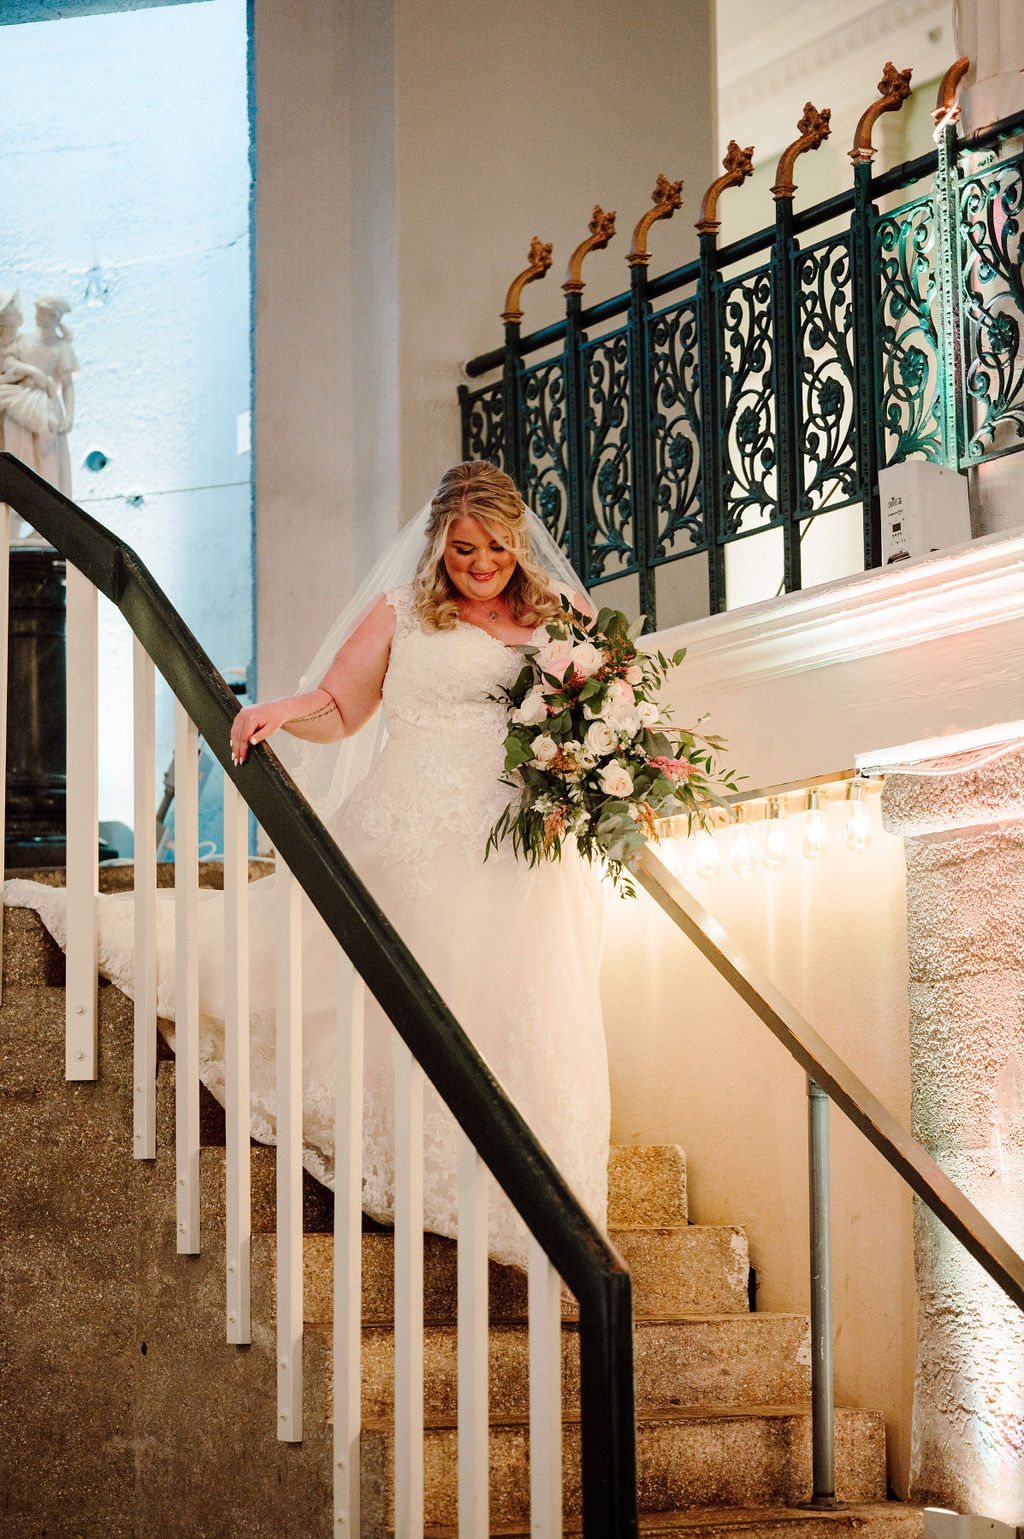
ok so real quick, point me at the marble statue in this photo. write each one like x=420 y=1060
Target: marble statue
x=37 y=397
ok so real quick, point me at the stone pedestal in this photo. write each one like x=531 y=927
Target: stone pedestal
x=962 y=820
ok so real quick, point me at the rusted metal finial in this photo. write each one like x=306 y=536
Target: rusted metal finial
x=602 y=228
x=814 y=130
x=738 y=166
x=947 y=104
x=539 y=260
x=893 y=90
x=666 y=197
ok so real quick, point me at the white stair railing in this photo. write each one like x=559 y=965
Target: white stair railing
x=126 y=583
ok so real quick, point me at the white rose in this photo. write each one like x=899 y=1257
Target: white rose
x=634 y=675
x=544 y=748
x=616 y=781
x=533 y=709
x=586 y=658
x=600 y=740
x=624 y=723
x=648 y=713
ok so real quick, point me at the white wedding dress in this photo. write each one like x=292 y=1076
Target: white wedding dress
x=512 y=949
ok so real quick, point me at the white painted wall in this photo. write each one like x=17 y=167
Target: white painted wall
x=799 y=687
x=126 y=144
x=407 y=155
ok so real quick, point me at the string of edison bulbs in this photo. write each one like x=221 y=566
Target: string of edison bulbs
x=755 y=831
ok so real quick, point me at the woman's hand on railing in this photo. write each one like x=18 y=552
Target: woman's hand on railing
x=313 y=716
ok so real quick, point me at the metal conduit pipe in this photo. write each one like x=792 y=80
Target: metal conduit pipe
x=822 y=1387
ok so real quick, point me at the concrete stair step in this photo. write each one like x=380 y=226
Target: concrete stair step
x=757 y=1457
x=703 y=1273
x=699 y=1269
x=725 y=1360
x=874 y=1520
x=646 y=1186
x=506 y=1290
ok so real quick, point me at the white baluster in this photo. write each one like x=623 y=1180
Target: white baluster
x=408 y=1294
x=472 y=1342
x=186 y=978
x=238 y=1171
x=348 y=1247
x=545 y=1308
x=82 y=826
x=288 y=1103
x=144 y=1068
x=5 y=621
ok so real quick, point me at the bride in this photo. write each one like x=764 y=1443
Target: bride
x=512 y=949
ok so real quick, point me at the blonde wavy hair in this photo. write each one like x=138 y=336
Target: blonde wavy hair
x=478 y=489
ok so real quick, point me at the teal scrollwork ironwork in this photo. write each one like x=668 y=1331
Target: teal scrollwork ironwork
x=544 y=476
x=483 y=431
x=992 y=204
x=675 y=395
x=609 y=512
x=909 y=371
x=750 y=469
x=765 y=393
x=828 y=466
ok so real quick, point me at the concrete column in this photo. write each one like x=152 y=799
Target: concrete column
x=991 y=33
x=961 y=820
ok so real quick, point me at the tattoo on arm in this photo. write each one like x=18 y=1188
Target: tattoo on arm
x=324 y=710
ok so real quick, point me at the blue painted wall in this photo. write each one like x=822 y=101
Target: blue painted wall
x=126 y=147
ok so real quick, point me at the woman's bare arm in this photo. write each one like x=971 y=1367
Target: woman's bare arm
x=347 y=697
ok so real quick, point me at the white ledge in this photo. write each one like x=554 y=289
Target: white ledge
x=963 y=589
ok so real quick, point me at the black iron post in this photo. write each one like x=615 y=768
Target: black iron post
x=894 y=88
x=666 y=198
x=951 y=332
x=864 y=290
x=641 y=433
x=36 y=749
x=575 y=436
x=814 y=130
x=709 y=321
x=512 y=404
x=738 y=164
x=785 y=387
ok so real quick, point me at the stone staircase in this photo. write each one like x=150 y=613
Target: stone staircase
x=124 y=1412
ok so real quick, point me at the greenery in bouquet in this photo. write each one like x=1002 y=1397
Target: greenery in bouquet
x=591 y=751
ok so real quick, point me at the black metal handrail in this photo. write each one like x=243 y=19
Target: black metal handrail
x=763 y=385
x=829 y=1078
x=505 y=1142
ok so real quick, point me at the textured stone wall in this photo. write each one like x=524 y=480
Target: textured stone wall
x=965 y=919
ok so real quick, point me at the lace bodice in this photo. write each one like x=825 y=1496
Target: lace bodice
x=439 y=775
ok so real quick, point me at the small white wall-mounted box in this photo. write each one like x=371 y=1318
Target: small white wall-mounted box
x=940 y=1524
x=924 y=508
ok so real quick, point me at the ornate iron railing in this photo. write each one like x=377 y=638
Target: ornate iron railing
x=761 y=397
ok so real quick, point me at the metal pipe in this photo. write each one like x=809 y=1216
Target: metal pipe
x=822 y=1396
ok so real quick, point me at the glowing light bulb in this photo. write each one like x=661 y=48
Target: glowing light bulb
x=744 y=861
x=773 y=851
x=858 y=827
x=814 y=845
x=708 y=862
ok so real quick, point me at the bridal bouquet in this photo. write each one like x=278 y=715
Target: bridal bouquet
x=592 y=754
